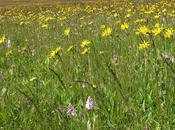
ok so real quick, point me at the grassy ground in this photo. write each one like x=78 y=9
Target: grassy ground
x=121 y=54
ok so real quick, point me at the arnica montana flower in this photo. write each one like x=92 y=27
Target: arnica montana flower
x=144 y=45
x=124 y=26
x=156 y=31
x=168 y=33
x=71 y=110
x=9 y=53
x=85 y=43
x=89 y=103
x=2 y=39
x=67 y=31
x=86 y=50
x=143 y=30
x=44 y=25
x=107 y=32
x=55 y=52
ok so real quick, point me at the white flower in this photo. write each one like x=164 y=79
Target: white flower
x=89 y=103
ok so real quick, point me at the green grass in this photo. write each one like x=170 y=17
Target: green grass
x=134 y=88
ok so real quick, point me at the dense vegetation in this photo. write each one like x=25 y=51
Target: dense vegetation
x=88 y=66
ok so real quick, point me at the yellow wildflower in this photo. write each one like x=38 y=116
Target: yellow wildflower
x=55 y=52
x=62 y=18
x=21 y=23
x=107 y=32
x=2 y=39
x=67 y=31
x=144 y=45
x=115 y=15
x=48 y=18
x=143 y=30
x=9 y=52
x=168 y=32
x=85 y=43
x=44 y=25
x=124 y=26
x=157 y=30
x=86 y=50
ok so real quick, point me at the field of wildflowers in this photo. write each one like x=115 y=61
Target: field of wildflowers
x=88 y=66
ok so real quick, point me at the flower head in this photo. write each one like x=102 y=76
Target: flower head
x=89 y=103
x=86 y=50
x=67 y=31
x=107 y=32
x=168 y=33
x=85 y=43
x=143 y=30
x=55 y=52
x=71 y=110
x=144 y=45
x=124 y=26
x=2 y=39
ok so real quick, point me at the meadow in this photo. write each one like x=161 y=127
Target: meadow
x=106 y=65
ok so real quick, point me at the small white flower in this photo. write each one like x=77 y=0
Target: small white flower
x=71 y=110
x=89 y=103
x=9 y=43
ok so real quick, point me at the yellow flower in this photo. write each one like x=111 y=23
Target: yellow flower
x=21 y=23
x=124 y=26
x=48 y=18
x=55 y=52
x=157 y=31
x=107 y=32
x=9 y=52
x=115 y=15
x=143 y=30
x=144 y=45
x=86 y=50
x=94 y=86
x=62 y=18
x=44 y=25
x=2 y=39
x=85 y=43
x=67 y=31
x=168 y=32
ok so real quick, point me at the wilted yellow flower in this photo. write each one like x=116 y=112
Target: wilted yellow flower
x=168 y=32
x=86 y=50
x=143 y=30
x=55 y=52
x=144 y=45
x=85 y=43
x=124 y=26
x=67 y=31
x=107 y=32
x=2 y=39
